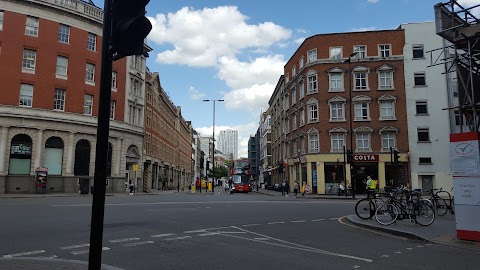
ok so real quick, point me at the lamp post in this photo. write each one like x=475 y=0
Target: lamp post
x=213 y=141
x=352 y=176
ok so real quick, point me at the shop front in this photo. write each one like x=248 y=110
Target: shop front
x=364 y=165
x=334 y=175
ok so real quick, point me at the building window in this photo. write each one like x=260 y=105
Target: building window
x=384 y=50
x=287 y=78
x=361 y=111
x=417 y=51
x=62 y=66
x=92 y=42
x=361 y=51
x=312 y=84
x=337 y=111
x=294 y=95
x=87 y=104
x=134 y=115
x=338 y=141
x=419 y=79
x=29 y=59
x=59 y=100
x=457 y=117
x=112 y=109
x=313 y=141
x=387 y=110
x=336 y=82
x=312 y=112
x=1 y=20
x=421 y=107
x=312 y=56
x=114 y=80
x=20 y=155
x=64 y=33
x=425 y=160
x=31 y=26
x=302 y=117
x=360 y=80
x=294 y=71
x=363 y=142
x=300 y=63
x=423 y=135
x=335 y=53
x=294 y=121
x=26 y=95
x=388 y=141
x=136 y=87
x=385 y=78
x=302 y=89
x=90 y=73
x=54 y=155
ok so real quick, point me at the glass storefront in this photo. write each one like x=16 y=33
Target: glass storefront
x=361 y=171
x=334 y=175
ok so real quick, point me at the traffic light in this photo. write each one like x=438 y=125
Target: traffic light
x=396 y=157
x=208 y=168
x=349 y=156
x=130 y=27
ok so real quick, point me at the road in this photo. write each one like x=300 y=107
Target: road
x=221 y=231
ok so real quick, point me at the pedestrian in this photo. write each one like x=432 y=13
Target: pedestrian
x=284 y=187
x=130 y=185
x=370 y=186
x=341 y=189
x=230 y=183
x=197 y=185
x=295 y=188
x=287 y=188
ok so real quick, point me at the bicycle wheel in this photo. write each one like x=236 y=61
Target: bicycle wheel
x=386 y=214
x=423 y=213
x=440 y=206
x=365 y=209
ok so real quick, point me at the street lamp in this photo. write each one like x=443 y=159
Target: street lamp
x=352 y=176
x=213 y=139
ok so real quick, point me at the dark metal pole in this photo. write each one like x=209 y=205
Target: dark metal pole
x=213 y=146
x=345 y=171
x=352 y=176
x=100 y=177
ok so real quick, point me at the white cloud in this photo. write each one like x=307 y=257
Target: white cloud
x=363 y=29
x=195 y=94
x=299 y=40
x=470 y=3
x=249 y=99
x=373 y=1
x=200 y=37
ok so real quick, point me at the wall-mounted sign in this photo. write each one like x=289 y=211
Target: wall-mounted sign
x=21 y=149
x=365 y=157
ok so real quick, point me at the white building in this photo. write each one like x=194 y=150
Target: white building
x=428 y=94
x=228 y=143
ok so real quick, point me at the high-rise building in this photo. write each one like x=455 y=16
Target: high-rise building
x=228 y=143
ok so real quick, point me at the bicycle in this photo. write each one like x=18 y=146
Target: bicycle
x=417 y=210
x=365 y=208
x=450 y=206
x=438 y=203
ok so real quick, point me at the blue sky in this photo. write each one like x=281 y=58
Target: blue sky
x=236 y=50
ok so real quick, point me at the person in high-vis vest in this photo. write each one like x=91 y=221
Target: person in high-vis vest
x=371 y=186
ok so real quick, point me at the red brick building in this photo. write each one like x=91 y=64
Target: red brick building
x=316 y=109
x=50 y=62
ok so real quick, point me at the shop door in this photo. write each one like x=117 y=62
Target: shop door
x=427 y=182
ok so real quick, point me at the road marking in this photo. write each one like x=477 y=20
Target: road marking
x=419 y=246
x=276 y=222
x=79 y=252
x=208 y=234
x=248 y=225
x=75 y=246
x=195 y=231
x=219 y=232
x=262 y=238
x=320 y=219
x=398 y=252
x=123 y=240
x=428 y=244
x=162 y=235
x=335 y=218
x=178 y=238
x=356 y=266
x=138 y=243
x=385 y=256
x=297 y=221
x=409 y=248
x=24 y=253
x=369 y=230
x=291 y=245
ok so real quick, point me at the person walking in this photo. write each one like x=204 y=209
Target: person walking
x=197 y=184
x=370 y=186
x=341 y=189
x=284 y=187
x=295 y=188
x=130 y=185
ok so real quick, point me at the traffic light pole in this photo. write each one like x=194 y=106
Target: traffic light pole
x=103 y=127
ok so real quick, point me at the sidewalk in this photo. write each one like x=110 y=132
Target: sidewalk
x=308 y=196
x=442 y=231
x=29 y=195
x=31 y=263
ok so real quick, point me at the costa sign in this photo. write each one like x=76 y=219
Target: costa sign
x=365 y=157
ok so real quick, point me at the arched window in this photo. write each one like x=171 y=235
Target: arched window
x=82 y=158
x=54 y=155
x=20 y=155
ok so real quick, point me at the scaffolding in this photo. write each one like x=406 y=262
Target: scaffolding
x=460 y=54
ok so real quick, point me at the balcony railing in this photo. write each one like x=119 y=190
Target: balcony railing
x=75 y=6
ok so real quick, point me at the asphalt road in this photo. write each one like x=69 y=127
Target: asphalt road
x=221 y=231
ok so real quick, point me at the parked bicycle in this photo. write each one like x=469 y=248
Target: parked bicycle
x=438 y=203
x=449 y=200
x=365 y=208
x=409 y=205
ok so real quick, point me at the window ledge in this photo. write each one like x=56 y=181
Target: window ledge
x=336 y=90
x=28 y=71
x=387 y=119
x=362 y=120
x=363 y=151
x=422 y=114
x=114 y=89
x=425 y=163
x=361 y=90
x=418 y=58
x=61 y=77
x=90 y=83
x=337 y=121
x=420 y=86
x=386 y=89
x=313 y=121
x=424 y=142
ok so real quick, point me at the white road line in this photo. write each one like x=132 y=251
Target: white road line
x=398 y=252
x=385 y=256
x=123 y=240
x=262 y=238
x=195 y=231
x=24 y=253
x=178 y=238
x=79 y=252
x=320 y=219
x=291 y=245
x=335 y=218
x=235 y=232
x=137 y=243
x=409 y=248
x=419 y=246
x=297 y=221
x=75 y=246
x=276 y=222
x=248 y=225
x=162 y=235
x=208 y=234
x=368 y=230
